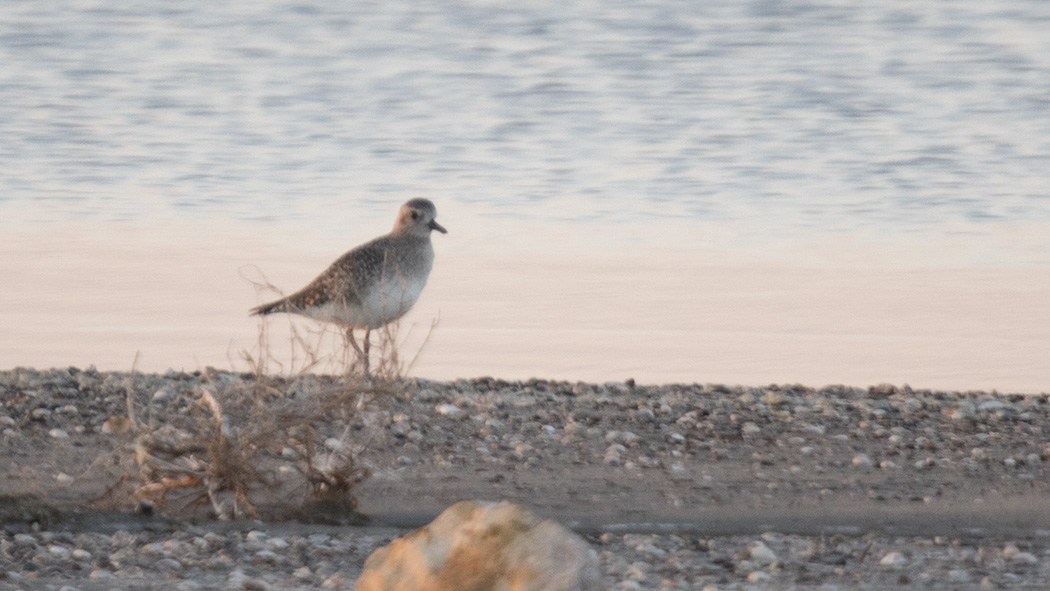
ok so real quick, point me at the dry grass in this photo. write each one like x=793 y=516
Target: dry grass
x=291 y=438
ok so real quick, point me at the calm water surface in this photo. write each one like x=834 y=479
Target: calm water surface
x=717 y=191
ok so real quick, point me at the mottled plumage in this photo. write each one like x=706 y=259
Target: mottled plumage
x=375 y=283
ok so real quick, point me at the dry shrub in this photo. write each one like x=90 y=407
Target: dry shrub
x=241 y=442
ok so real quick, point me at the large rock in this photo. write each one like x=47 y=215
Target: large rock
x=476 y=546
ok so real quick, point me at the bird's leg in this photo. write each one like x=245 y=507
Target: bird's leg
x=362 y=357
x=367 y=346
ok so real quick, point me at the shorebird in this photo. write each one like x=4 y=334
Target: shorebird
x=372 y=284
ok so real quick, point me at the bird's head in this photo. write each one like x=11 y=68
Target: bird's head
x=417 y=216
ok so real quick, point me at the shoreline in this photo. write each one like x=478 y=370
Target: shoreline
x=862 y=488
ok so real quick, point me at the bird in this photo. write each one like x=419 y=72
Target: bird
x=372 y=284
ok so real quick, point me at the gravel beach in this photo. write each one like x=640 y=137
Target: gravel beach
x=698 y=486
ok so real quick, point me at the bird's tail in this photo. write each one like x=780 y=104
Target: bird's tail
x=271 y=308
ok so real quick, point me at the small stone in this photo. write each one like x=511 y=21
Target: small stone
x=612 y=454
x=255 y=537
x=894 y=560
x=25 y=539
x=958 y=575
x=58 y=552
x=993 y=404
x=63 y=478
x=58 y=434
x=925 y=464
x=267 y=556
x=449 y=410
x=277 y=543
x=100 y=574
x=861 y=461
x=81 y=555
x=319 y=539
x=334 y=444
x=334 y=582
x=761 y=554
x=116 y=426
x=758 y=576
x=40 y=414
x=1024 y=558
x=303 y=573
x=168 y=565
x=154 y=549
x=237 y=579
x=621 y=437
x=635 y=572
x=164 y=395
x=750 y=428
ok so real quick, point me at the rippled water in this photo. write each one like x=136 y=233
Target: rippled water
x=807 y=134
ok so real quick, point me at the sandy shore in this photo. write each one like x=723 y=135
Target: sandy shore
x=676 y=486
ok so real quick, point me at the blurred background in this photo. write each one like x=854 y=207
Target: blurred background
x=725 y=191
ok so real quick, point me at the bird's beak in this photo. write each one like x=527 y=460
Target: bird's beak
x=433 y=225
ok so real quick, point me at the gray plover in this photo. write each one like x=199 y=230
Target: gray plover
x=374 y=283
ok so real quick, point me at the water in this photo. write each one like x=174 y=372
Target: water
x=854 y=161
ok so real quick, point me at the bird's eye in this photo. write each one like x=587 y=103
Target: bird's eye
x=415 y=215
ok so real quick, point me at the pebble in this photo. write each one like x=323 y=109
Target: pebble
x=758 y=576
x=58 y=434
x=449 y=410
x=861 y=461
x=750 y=428
x=894 y=560
x=116 y=426
x=25 y=539
x=335 y=444
x=164 y=395
x=761 y=554
x=100 y=574
x=168 y=565
x=613 y=454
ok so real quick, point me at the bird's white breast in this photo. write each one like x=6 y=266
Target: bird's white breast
x=389 y=299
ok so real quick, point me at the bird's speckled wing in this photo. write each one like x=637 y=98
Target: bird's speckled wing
x=339 y=283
